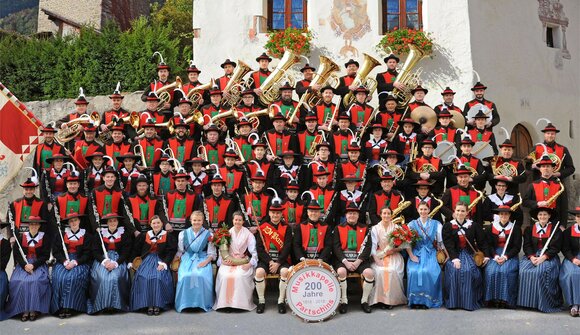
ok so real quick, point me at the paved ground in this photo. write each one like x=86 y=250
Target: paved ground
x=397 y=321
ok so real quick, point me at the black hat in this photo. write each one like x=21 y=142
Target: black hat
x=390 y=97
x=313 y=205
x=428 y=141
x=351 y=61
x=263 y=56
x=391 y=56
x=481 y=115
x=307 y=67
x=351 y=178
x=109 y=169
x=550 y=127
x=391 y=152
x=152 y=96
x=423 y=182
x=503 y=209
x=276 y=206
x=444 y=113
x=462 y=169
x=228 y=62
x=197 y=160
x=34 y=219
x=327 y=87
x=448 y=90
x=534 y=212
x=122 y=157
x=286 y=87
x=72 y=176
x=507 y=143
x=352 y=207
x=575 y=211
x=117 y=92
x=419 y=88
x=193 y=68
x=111 y=216
x=142 y=179
x=361 y=89
x=545 y=160
x=466 y=140
x=65 y=158
x=73 y=215
x=49 y=128
x=478 y=86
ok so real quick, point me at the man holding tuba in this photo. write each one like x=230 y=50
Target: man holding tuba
x=386 y=80
x=81 y=105
x=303 y=85
x=258 y=77
x=346 y=82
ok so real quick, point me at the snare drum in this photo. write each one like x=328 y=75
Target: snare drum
x=313 y=291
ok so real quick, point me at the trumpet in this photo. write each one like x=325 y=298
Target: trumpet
x=271 y=86
x=75 y=127
x=234 y=87
x=368 y=65
x=196 y=117
x=133 y=119
x=164 y=92
x=194 y=94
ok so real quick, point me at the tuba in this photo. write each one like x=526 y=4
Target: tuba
x=326 y=74
x=407 y=77
x=234 y=87
x=164 y=94
x=75 y=127
x=270 y=87
x=194 y=94
x=368 y=65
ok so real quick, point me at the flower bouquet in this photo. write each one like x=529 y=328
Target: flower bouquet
x=297 y=40
x=403 y=237
x=398 y=41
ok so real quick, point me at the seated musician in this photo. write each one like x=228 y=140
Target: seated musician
x=313 y=237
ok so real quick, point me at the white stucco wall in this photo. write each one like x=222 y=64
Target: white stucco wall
x=447 y=20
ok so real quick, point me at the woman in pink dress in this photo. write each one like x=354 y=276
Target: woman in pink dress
x=235 y=278
x=388 y=264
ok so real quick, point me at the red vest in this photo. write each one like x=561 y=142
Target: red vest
x=305 y=139
x=19 y=204
x=30 y=249
x=215 y=153
x=135 y=202
x=54 y=149
x=217 y=209
x=341 y=143
x=150 y=151
x=544 y=190
x=232 y=177
x=343 y=233
x=113 y=150
x=389 y=120
x=458 y=194
x=258 y=204
x=382 y=199
x=100 y=201
x=322 y=196
x=329 y=166
x=273 y=235
x=182 y=150
x=257 y=77
x=280 y=142
x=305 y=230
x=477 y=136
x=360 y=114
x=448 y=134
x=558 y=149
x=323 y=111
x=436 y=162
x=292 y=212
x=63 y=201
x=358 y=169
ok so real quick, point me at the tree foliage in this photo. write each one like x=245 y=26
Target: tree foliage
x=41 y=69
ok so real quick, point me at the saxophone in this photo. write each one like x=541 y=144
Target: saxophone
x=518 y=204
x=436 y=209
x=477 y=200
x=553 y=198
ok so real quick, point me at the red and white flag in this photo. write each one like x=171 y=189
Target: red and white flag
x=19 y=135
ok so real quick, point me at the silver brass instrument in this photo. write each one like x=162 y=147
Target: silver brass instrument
x=369 y=63
x=271 y=86
x=407 y=77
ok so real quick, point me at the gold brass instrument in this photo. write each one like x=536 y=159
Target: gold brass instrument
x=163 y=92
x=202 y=152
x=504 y=169
x=436 y=209
x=407 y=77
x=458 y=162
x=234 y=87
x=553 y=198
x=427 y=167
x=75 y=127
x=331 y=117
x=194 y=94
x=218 y=119
x=271 y=86
x=369 y=63
x=395 y=170
x=476 y=200
x=254 y=117
x=133 y=119
x=555 y=158
x=196 y=117
x=397 y=211
x=141 y=153
x=518 y=204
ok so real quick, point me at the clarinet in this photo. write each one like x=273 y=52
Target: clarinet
x=243 y=208
x=96 y=213
x=13 y=228
x=86 y=181
x=165 y=207
x=205 y=210
x=128 y=211
x=364 y=180
x=329 y=206
x=59 y=227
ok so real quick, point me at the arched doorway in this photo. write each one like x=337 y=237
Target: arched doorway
x=522 y=140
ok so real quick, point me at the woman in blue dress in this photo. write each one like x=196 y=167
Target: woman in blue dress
x=109 y=288
x=570 y=271
x=195 y=275
x=538 y=282
x=70 y=275
x=153 y=284
x=29 y=284
x=463 y=279
x=5 y=250
x=501 y=273
x=423 y=272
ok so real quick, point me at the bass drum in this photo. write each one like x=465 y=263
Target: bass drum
x=313 y=291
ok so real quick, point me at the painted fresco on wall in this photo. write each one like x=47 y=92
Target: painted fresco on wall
x=349 y=19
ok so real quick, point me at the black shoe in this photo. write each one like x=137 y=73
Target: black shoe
x=24 y=317
x=61 y=314
x=365 y=307
x=150 y=311
x=67 y=313
x=156 y=311
x=282 y=308
x=261 y=308
x=343 y=308
x=32 y=316
x=389 y=307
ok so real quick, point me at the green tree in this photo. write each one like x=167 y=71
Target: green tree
x=178 y=13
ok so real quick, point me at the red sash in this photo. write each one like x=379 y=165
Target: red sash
x=273 y=235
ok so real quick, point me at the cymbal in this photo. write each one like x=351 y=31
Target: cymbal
x=425 y=116
x=457 y=119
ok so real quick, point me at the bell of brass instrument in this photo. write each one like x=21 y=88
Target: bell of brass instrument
x=555 y=158
x=436 y=209
x=361 y=78
x=138 y=150
x=407 y=77
x=75 y=127
x=196 y=117
x=518 y=204
x=319 y=138
x=427 y=167
x=504 y=169
x=163 y=92
x=474 y=203
x=556 y=195
x=400 y=208
x=254 y=117
x=218 y=119
x=270 y=86
x=395 y=170
x=234 y=86
x=326 y=75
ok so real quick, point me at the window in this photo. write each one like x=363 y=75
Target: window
x=402 y=14
x=286 y=13
x=553 y=37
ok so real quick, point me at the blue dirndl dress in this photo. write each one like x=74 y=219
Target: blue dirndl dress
x=109 y=289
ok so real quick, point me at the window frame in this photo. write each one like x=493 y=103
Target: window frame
x=287 y=14
x=402 y=14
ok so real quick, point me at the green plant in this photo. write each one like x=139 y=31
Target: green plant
x=297 y=40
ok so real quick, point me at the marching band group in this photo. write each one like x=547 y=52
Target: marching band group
x=131 y=202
